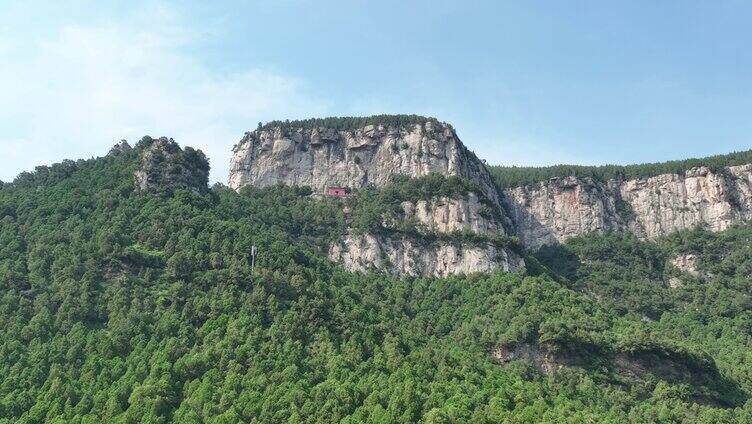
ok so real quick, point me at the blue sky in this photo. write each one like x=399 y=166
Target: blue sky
x=524 y=83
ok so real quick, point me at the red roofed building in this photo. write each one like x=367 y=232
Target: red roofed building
x=337 y=191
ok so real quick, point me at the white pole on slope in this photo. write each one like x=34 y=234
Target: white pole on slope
x=254 y=251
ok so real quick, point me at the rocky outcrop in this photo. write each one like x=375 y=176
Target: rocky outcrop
x=356 y=158
x=408 y=257
x=165 y=167
x=432 y=238
x=686 y=263
x=450 y=215
x=435 y=237
x=368 y=152
x=119 y=148
x=635 y=365
x=371 y=155
x=546 y=361
x=560 y=208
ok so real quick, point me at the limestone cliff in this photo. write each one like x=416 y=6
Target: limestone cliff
x=438 y=237
x=165 y=167
x=407 y=256
x=449 y=215
x=355 y=157
x=560 y=208
x=369 y=152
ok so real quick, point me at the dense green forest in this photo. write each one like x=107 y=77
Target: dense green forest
x=513 y=176
x=123 y=307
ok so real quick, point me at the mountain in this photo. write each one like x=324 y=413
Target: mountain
x=129 y=293
x=649 y=207
x=353 y=152
x=359 y=154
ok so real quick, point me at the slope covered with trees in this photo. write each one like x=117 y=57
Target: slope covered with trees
x=119 y=306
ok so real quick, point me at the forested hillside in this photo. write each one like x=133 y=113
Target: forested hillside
x=125 y=307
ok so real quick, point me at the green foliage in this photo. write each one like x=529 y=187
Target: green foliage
x=121 y=307
x=166 y=167
x=513 y=176
x=351 y=122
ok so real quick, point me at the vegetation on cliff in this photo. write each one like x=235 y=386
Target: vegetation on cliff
x=513 y=176
x=120 y=306
x=348 y=123
x=165 y=167
x=379 y=210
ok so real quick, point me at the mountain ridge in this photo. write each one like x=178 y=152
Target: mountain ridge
x=124 y=305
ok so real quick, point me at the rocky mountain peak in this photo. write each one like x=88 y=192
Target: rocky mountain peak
x=122 y=146
x=165 y=167
x=352 y=152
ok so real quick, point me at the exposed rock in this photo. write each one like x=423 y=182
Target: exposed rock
x=675 y=282
x=555 y=210
x=447 y=236
x=686 y=263
x=561 y=208
x=639 y=366
x=545 y=213
x=369 y=156
x=119 y=148
x=404 y=256
x=546 y=359
x=166 y=167
x=366 y=156
x=448 y=215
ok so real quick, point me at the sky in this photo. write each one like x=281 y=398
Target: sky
x=523 y=83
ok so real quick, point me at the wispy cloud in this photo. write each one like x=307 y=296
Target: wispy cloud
x=84 y=87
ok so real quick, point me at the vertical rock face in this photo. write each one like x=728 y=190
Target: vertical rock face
x=367 y=152
x=405 y=256
x=165 y=167
x=441 y=248
x=649 y=207
x=448 y=215
x=361 y=156
x=561 y=208
x=356 y=158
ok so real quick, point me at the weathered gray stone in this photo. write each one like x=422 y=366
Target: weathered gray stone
x=686 y=263
x=406 y=257
x=448 y=215
x=555 y=210
x=367 y=156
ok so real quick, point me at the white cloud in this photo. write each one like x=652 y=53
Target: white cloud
x=83 y=88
